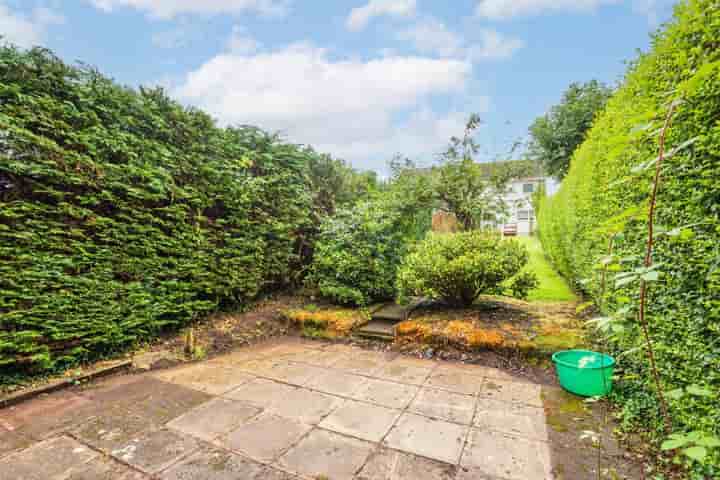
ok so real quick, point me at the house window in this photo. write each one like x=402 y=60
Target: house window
x=528 y=188
x=523 y=215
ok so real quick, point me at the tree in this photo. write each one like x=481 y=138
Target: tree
x=557 y=134
x=470 y=190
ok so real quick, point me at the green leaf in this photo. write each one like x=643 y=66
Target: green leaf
x=625 y=281
x=696 y=453
x=652 y=276
x=699 y=391
x=708 y=441
x=676 y=394
x=674 y=443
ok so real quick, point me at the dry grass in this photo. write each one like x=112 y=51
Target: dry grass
x=330 y=321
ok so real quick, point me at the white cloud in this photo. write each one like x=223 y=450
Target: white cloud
x=361 y=16
x=26 y=30
x=502 y=9
x=348 y=107
x=432 y=36
x=171 y=8
x=494 y=45
x=241 y=42
x=421 y=136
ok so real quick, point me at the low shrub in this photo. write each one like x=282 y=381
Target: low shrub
x=457 y=268
x=521 y=284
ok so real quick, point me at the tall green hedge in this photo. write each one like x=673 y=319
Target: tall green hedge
x=123 y=213
x=607 y=190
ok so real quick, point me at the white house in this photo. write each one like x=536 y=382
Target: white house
x=520 y=218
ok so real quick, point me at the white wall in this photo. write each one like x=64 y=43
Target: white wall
x=517 y=200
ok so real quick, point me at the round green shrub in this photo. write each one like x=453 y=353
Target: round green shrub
x=459 y=267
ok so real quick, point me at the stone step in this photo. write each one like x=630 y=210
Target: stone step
x=377 y=329
x=395 y=312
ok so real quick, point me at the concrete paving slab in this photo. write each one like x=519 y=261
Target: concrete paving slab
x=361 y=420
x=122 y=390
x=47 y=415
x=265 y=437
x=365 y=363
x=527 y=424
x=465 y=473
x=287 y=350
x=512 y=392
x=336 y=383
x=430 y=438
x=294 y=373
x=455 y=381
x=209 y=378
x=156 y=450
x=400 y=371
x=320 y=358
x=273 y=474
x=335 y=456
x=478 y=371
x=104 y=468
x=214 y=418
x=11 y=441
x=386 y=464
x=387 y=394
x=214 y=464
x=485 y=403
x=233 y=359
x=48 y=459
x=168 y=402
x=260 y=392
x=112 y=428
x=303 y=405
x=444 y=405
x=508 y=457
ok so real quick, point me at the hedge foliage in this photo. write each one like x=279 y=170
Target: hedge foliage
x=606 y=191
x=123 y=213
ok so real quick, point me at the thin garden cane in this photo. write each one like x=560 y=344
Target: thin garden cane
x=648 y=262
x=603 y=283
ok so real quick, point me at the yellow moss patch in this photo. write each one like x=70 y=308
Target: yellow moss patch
x=334 y=322
x=466 y=334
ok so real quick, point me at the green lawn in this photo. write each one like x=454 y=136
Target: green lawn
x=553 y=287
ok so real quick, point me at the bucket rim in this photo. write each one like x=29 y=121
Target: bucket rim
x=556 y=359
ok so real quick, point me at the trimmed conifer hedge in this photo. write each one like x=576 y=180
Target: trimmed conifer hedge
x=123 y=213
x=607 y=192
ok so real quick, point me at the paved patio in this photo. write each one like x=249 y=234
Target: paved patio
x=285 y=410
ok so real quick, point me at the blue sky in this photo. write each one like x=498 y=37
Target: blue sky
x=361 y=79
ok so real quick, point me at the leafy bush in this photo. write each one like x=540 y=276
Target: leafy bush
x=357 y=253
x=458 y=267
x=122 y=213
x=358 y=250
x=606 y=194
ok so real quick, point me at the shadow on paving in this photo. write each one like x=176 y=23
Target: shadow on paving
x=295 y=409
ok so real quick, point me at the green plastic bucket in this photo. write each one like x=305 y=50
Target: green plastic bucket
x=583 y=372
